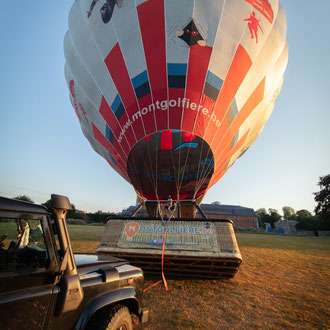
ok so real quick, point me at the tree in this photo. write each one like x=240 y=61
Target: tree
x=262 y=217
x=72 y=214
x=98 y=217
x=261 y=212
x=323 y=201
x=24 y=198
x=289 y=213
x=308 y=223
x=216 y=203
x=303 y=214
x=47 y=204
x=273 y=217
x=274 y=214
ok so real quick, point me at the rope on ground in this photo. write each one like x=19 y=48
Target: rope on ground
x=163 y=275
x=165 y=224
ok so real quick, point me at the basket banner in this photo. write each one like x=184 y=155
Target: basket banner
x=181 y=235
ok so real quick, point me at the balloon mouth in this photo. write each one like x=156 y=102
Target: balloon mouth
x=171 y=164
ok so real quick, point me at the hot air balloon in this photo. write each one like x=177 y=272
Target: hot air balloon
x=170 y=93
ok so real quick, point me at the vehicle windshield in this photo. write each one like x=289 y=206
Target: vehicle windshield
x=22 y=245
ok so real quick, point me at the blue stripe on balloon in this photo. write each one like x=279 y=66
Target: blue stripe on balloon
x=176 y=81
x=142 y=90
x=140 y=79
x=213 y=80
x=109 y=134
x=176 y=75
x=116 y=103
x=117 y=107
x=232 y=111
x=234 y=108
x=176 y=69
x=212 y=85
x=112 y=159
x=141 y=84
x=187 y=145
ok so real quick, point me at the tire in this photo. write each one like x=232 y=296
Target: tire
x=119 y=318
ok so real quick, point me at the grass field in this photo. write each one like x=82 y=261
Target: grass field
x=284 y=282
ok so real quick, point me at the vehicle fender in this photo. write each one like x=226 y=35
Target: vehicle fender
x=103 y=300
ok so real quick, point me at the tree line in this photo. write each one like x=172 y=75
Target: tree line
x=95 y=217
x=320 y=220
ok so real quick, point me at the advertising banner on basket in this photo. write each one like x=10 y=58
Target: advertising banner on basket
x=182 y=235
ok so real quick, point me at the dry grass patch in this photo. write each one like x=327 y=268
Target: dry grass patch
x=85 y=239
x=274 y=289
x=284 y=282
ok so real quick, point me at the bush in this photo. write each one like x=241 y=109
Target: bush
x=308 y=223
x=71 y=221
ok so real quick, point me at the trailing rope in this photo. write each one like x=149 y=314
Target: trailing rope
x=165 y=225
x=163 y=275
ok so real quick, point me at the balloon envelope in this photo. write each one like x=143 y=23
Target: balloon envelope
x=172 y=92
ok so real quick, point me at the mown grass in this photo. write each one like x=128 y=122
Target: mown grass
x=284 y=282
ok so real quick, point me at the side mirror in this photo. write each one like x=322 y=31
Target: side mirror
x=60 y=202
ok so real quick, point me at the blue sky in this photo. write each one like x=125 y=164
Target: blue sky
x=43 y=150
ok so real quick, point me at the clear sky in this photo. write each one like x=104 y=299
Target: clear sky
x=43 y=150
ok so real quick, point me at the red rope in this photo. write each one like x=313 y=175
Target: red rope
x=163 y=254
x=151 y=286
x=163 y=275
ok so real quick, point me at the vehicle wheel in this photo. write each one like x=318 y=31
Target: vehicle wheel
x=119 y=318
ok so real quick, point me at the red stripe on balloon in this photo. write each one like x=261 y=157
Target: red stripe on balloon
x=117 y=68
x=199 y=58
x=219 y=135
x=221 y=141
x=111 y=120
x=122 y=121
x=125 y=122
x=226 y=132
x=147 y=113
x=205 y=119
x=238 y=70
x=107 y=145
x=220 y=169
x=175 y=114
x=187 y=137
x=152 y=25
x=73 y=94
x=253 y=101
x=166 y=140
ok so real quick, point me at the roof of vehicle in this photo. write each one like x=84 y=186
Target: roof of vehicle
x=8 y=204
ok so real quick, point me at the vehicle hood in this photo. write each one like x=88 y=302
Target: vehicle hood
x=94 y=261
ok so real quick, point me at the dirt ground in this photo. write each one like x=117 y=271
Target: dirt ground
x=284 y=282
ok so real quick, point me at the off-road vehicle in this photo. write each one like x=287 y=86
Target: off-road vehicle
x=43 y=285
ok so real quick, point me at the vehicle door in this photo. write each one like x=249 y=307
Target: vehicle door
x=26 y=277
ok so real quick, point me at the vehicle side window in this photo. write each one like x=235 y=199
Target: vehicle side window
x=22 y=245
